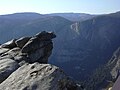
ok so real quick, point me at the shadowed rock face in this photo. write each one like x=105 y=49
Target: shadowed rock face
x=23 y=65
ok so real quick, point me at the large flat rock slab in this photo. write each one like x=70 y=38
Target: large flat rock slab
x=38 y=77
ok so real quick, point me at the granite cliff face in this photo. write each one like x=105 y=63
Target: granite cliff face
x=105 y=76
x=23 y=65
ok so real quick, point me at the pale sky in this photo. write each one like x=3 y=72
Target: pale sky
x=59 y=6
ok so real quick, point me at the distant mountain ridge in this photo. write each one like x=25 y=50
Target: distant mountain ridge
x=69 y=16
x=74 y=16
x=27 y=23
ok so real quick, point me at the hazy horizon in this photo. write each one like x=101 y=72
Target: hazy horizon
x=54 y=6
x=57 y=13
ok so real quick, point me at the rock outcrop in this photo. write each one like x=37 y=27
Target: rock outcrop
x=23 y=65
x=29 y=49
x=115 y=64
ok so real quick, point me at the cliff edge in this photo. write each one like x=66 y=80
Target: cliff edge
x=23 y=65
